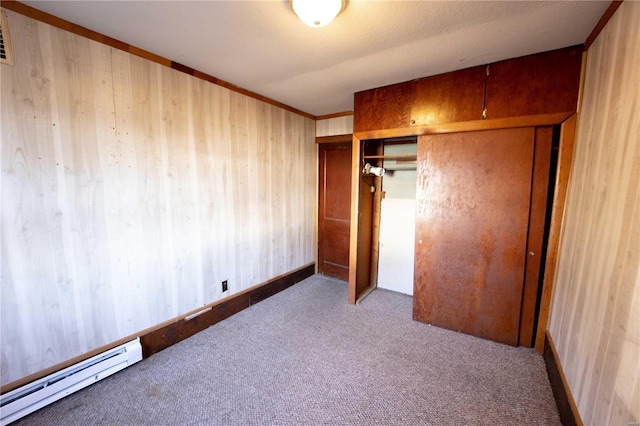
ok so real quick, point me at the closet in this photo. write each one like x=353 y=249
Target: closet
x=482 y=208
x=481 y=198
x=397 y=213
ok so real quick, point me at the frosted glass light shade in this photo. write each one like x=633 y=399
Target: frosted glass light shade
x=316 y=13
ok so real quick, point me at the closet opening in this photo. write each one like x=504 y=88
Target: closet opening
x=393 y=221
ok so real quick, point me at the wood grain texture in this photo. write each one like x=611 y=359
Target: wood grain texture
x=376 y=204
x=448 y=98
x=334 y=210
x=170 y=334
x=613 y=6
x=536 y=84
x=335 y=115
x=354 y=231
x=47 y=18
x=386 y=107
x=565 y=156
x=544 y=83
x=334 y=126
x=562 y=394
x=130 y=190
x=468 y=126
x=358 y=280
x=595 y=319
x=472 y=215
x=361 y=222
x=334 y=139
x=535 y=234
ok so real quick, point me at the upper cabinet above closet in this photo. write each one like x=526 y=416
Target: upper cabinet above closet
x=386 y=107
x=448 y=98
x=535 y=84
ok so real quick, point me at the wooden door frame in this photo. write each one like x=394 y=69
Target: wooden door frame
x=360 y=249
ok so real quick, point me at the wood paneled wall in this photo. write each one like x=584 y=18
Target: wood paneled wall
x=595 y=320
x=130 y=190
x=334 y=126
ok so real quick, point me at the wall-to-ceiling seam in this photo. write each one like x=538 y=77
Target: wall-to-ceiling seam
x=63 y=24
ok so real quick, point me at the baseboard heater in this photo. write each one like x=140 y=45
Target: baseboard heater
x=35 y=395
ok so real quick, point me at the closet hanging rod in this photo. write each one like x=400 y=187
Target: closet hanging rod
x=410 y=157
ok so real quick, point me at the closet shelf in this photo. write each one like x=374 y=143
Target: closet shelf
x=401 y=157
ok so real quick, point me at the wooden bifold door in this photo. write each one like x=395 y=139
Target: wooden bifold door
x=480 y=198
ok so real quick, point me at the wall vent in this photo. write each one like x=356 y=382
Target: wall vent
x=6 y=57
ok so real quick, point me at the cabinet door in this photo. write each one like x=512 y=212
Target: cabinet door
x=537 y=84
x=334 y=213
x=472 y=210
x=448 y=98
x=383 y=108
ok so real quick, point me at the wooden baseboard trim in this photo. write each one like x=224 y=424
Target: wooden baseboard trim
x=165 y=334
x=181 y=328
x=567 y=407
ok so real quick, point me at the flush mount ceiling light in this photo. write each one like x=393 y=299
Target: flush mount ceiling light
x=317 y=13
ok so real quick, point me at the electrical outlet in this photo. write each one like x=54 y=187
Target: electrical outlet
x=225 y=286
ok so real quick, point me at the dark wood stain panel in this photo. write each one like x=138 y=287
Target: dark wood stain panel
x=539 y=189
x=448 y=98
x=561 y=392
x=334 y=212
x=173 y=333
x=386 y=107
x=362 y=219
x=536 y=84
x=472 y=210
x=277 y=285
x=163 y=337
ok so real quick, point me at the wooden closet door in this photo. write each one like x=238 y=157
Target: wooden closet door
x=334 y=213
x=472 y=212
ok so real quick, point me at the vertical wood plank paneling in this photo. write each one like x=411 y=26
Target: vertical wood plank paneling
x=334 y=126
x=130 y=190
x=595 y=319
x=23 y=190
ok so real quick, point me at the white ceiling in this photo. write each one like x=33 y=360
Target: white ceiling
x=262 y=46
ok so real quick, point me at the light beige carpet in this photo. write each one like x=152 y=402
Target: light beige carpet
x=306 y=357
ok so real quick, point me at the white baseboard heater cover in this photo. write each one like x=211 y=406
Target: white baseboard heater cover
x=35 y=395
